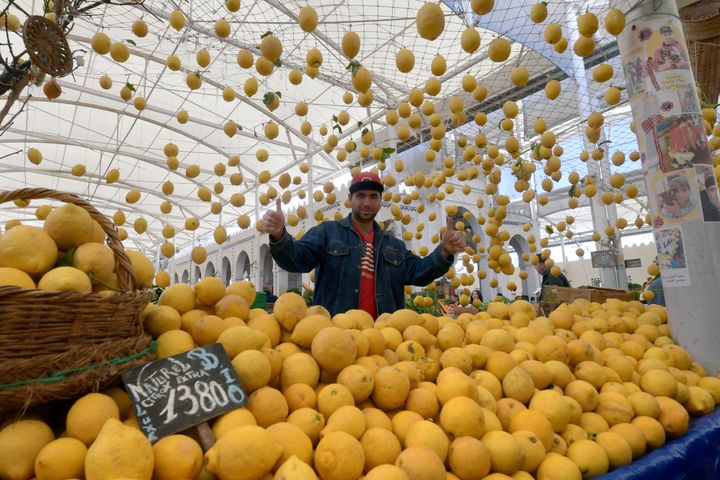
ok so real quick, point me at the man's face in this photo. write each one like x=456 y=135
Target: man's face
x=365 y=205
x=540 y=267
x=714 y=196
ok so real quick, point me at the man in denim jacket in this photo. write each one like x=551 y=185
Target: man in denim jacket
x=358 y=265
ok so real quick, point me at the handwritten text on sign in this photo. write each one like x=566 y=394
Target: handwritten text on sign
x=181 y=391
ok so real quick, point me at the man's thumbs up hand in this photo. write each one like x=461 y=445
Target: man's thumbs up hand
x=454 y=241
x=273 y=222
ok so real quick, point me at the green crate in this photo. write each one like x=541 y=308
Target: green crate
x=260 y=301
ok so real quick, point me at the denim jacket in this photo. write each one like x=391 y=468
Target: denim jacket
x=334 y=249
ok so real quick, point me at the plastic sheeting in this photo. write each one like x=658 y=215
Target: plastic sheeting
x=694 y=456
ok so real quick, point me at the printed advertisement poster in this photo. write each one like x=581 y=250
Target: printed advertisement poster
x=676 y=198
x=709 y=196
x=671 y=257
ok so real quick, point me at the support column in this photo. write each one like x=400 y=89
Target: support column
x=677 y=166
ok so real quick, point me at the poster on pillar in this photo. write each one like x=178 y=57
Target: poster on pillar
x=668 y=121
x=672 y=257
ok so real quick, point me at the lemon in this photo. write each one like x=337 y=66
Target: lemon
x=308 y=19
x=244 y=453
x=300 y=367
x=271 y=47
x=334 y=349
x=617 y=449
x=612 y=95
x=438 y=65
x=380 y=446
x=633 y=436
x=589 y=456
x=309 y=420
x=293 y=440
x=405 y=60
x=267 y=325
x=339 y=456
x=470 y=40
x=29 y=249
x=222 y=28
x=587 y=24
x=358 y=379
x=66 y=279
x=61 y=459
x=253 y=369
x=95 y=259
x=350 y=44
x=391 y=388
x=232 y=420
x=20 y=443
x=499 y=50
x=209 y=290
x=305 y=330
x=469 y=458
x=161 y=320
x=289 y=309
x=428 y=434
x=69 y=226
x=362 y=80
x=237 y=339
x=121 y=399
x=552 y=89
x=232 y=306
x=173 y=342
x=88 y=414
x=179 y=296
x=162 y=279
x=177 y=456
x=481 y=7
x=614 y=21
x=177 y=19
x=557 y=467
x=430 y=21
x=673 y=417
x=295 y=469
x=268 y=406
x=421 y=462
x=603 y=72
x=460 y=416
x=101 y=43
x=13 y=276
x=119 y=451
x=538 y=12
x=119 y=52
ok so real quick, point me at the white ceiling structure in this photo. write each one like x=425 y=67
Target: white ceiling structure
x=95 y=127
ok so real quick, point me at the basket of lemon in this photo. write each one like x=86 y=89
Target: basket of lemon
x=80 y=325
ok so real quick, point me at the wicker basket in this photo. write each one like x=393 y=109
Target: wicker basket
x=701 y=24
x=56 y=345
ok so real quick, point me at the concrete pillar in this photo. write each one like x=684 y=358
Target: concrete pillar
x=677 y=166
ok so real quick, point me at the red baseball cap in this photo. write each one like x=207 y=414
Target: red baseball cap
x=366 y=181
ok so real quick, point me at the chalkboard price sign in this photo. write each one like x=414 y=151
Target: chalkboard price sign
x=181 y=391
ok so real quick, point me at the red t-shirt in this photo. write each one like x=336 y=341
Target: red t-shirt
x=367 y=273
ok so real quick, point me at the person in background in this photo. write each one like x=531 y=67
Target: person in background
x=547 y=277
x=357 y=265
x=268 y=289
x=656 y=287
x=476 y=295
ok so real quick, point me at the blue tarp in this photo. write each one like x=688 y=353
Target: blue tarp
x=694 y=456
